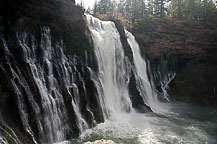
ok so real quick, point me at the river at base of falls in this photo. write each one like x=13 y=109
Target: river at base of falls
x=181 y=124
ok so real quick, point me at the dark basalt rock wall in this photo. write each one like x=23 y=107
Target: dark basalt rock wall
x=188 y=48
x=68 y=28
x=196 y=84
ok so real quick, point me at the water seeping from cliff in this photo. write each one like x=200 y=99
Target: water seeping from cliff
x=48 y=77
x=54 y=102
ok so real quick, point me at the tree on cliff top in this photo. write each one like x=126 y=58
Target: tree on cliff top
x=137 y=10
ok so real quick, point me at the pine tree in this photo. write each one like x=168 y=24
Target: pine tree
x=95 y=8
x=150 y=7
x=176 y=8
x=160 y=8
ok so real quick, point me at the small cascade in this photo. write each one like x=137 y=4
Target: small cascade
x=165 y=86
x=161 y=77
x=113 y=75
x=70 y=72
x=51 y=113
x=8 y=132
x=16 y=78
x=161 y=72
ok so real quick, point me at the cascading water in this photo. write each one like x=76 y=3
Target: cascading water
x=52 y=92
x=161 y=75
x=165 y=86
x=21 y=82
x=8 y=132
x=49 y=76
x=3 y=140
x=50 y=123
x=113 y=72
x=143 y=83
x=133 y=127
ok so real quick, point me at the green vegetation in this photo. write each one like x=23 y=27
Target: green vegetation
x=147 y=19
x=135 y=11
x=200 y=10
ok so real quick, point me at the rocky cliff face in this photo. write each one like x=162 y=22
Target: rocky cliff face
x=49 y=90
x=46 y=54
x=188 y=49
x=44 y=45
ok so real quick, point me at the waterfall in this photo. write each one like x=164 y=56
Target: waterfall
x=52 y=88
x=142 y=79
x=16 y=78
x=113 y=72
x=115 y=68
x=41 y=79
x=50 y=123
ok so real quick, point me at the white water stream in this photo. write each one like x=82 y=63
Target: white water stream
x=171 y=123
x=113 y=72
x=174 y=123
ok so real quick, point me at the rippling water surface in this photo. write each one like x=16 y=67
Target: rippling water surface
x=176 y=124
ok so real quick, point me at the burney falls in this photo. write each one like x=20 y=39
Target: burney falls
x=108 y=72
